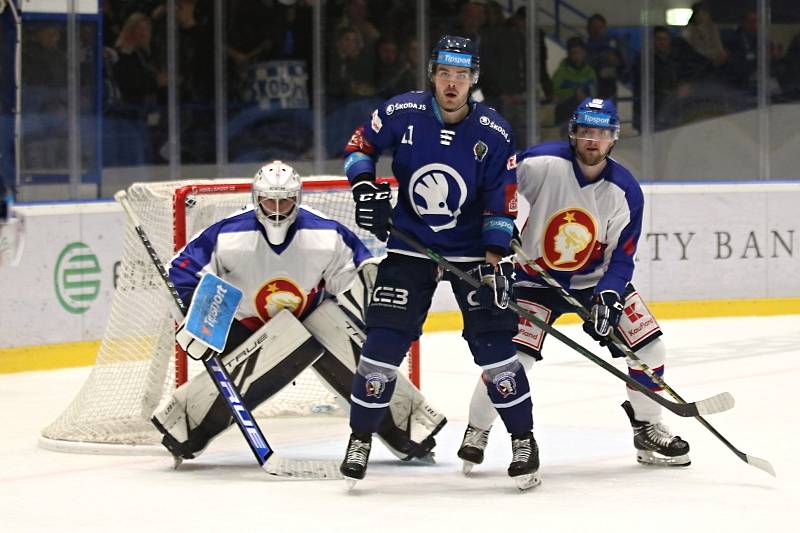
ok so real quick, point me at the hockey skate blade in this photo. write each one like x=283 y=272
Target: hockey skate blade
x=351 y=483
x=301 y=469
x=467 y=467
x=716 y=404
x=176 y=462
x=650 y=458
x=527 y=481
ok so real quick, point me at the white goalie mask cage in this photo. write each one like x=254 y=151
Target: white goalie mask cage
x=276 y=181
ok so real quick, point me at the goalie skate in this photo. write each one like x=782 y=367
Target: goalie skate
x=655 y=444
x=524 y=467
x=472 y=447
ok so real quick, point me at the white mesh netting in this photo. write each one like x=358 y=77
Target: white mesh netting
x=135 y=367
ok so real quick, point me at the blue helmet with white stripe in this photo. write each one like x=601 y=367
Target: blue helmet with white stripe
x=595 y=113
x=455 y=51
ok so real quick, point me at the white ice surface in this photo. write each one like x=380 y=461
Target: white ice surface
x=591 y=481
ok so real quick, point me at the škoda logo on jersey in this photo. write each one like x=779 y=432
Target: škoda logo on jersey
x=391 y=108
x=277 y=294
x=489 y=123
x=569 y=239
x=437 y=192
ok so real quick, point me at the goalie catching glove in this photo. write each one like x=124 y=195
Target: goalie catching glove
x=373 y=205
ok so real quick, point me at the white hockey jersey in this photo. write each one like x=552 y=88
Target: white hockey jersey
x=319 y=256
x=585 y=234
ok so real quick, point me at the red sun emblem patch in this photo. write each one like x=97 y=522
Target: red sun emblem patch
x=569 y=238
x=277 y=294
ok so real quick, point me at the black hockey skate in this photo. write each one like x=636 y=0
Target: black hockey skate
x=524 y=467
x=354 y=466
x=472 y=447
x=655 y=444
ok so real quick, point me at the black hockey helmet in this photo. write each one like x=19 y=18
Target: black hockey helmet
x=457 y=52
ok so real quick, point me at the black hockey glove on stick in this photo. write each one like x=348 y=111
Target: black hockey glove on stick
x=714 y=404
x=496 y=284
x=615 y=341
x=373 y=205
x=272 y=464
x=604 y=316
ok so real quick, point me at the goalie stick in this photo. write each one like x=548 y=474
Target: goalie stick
x=584 y=314
x=271 y=463
x=714 y=404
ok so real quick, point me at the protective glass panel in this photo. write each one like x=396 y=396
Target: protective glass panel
x=269 y=65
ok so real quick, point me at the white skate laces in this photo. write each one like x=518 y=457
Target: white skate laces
x=476 y=437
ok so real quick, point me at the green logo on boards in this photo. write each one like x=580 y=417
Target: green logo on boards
x=77 y=278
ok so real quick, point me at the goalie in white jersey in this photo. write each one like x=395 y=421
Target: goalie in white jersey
x=305 y=279
x=583 y=228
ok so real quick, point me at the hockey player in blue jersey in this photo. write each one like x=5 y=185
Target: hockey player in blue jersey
x=457 y=195
x=299 y=271
x=583 y=229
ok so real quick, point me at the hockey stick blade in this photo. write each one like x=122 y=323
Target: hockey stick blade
x=716 y=404
x=687 y=409
x=759 y=463
x=301 y=469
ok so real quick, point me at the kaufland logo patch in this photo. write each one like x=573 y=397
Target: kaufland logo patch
x=452 y=58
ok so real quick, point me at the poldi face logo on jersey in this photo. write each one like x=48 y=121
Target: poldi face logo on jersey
x=77 y=278
x=277 y=294
x=569 y=239
x=437 y=193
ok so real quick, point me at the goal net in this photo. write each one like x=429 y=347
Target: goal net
x=138 y=366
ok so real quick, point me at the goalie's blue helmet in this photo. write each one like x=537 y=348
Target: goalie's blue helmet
x=595 y=113
x=455 y=51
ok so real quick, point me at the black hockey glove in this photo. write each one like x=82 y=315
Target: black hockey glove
x=373 y=207
x=604 y=316
x=495 y=292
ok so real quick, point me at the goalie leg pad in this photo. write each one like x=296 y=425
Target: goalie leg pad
x=260 y=367
x=409 y=427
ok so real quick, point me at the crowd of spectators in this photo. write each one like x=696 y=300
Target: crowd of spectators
x=371 y=53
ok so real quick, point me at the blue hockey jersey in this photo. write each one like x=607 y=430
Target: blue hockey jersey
x=457 y=192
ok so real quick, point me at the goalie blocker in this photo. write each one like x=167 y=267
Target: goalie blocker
x=264 y=362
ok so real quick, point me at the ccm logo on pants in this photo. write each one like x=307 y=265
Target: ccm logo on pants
x=392 y=296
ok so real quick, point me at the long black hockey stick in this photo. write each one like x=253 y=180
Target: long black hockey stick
x=715 y=404
x=272 y=464
x=584 y=314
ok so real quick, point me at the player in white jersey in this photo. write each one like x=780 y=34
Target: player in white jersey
x=305 y=279
x=583 y=228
